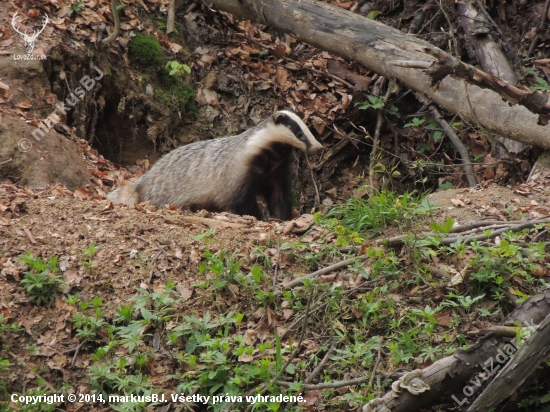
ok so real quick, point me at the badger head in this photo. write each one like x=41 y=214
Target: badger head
x=286 y=127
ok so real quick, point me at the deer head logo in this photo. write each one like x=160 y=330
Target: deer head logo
x=29 y=40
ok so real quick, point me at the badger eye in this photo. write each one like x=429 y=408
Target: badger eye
x=299 y=135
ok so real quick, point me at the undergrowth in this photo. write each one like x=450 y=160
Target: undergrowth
x=240 y=337
x=379 y=211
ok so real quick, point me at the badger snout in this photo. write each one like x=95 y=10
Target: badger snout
x=315 y=148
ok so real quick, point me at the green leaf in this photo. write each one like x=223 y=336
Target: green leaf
x=437 y=136
x=373 y=15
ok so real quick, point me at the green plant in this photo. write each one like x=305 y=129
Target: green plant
x=75 y=8
x=540 y=85
x=177 y=69
x=378 y=211
x=465 y=302
x=145 y=50
x=175 y=91
x=446 y=186
x=416 y=122
x=374 y=102
x=493 y=266
x=40 y=283
x=87 y=256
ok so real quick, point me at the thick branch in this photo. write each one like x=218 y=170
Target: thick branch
x=376 y=46
x=530 y=355
x=468 y=169
x=116 y=29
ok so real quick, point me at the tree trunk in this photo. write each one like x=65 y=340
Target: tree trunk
x=378 y=47
x=490 y=55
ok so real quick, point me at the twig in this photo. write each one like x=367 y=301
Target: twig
x=539 y=235
x=277 y=262
x=318 y=308
x=498 y=330
x=540 y=26
x=160 y=247
x=328 y=385
x=369 y=386
x=417 y=20
x=451 y=27
x=29 y=235
x=324 y=271
x=116 y=29
x=517 y=225
x=376 y=138
x=468 y=169
x=170 y=18
x=6 y=161
x=76 y=351
x=321 y=365
x=143 y=239
x=515 y=228
x=483 y=228
x=150 y=278
x=429 y=22
x=317 y=196
x=482 y=223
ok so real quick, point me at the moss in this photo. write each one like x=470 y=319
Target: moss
x=174 y=89
x=145 y=50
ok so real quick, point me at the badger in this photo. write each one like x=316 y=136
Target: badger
x=227 y=174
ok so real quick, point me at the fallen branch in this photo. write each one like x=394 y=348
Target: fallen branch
x=375 y=45
x=447 y=65
x=533 y=352
x=328 y=385
x=321 y=365
x=324 y=271
x=466 y=161
x=376 y=138
x=116 y=29
x=399 y=240
x=509 y=51
x=171 y=15
x=457 y=375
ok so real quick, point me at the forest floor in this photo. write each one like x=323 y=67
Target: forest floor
x=102 y=299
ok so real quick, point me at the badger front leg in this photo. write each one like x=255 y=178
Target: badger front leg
x=278 y=195
x=245 y=203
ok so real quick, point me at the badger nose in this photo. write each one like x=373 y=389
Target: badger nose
x=314 y=149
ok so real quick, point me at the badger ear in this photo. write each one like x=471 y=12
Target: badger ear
x=279 y=118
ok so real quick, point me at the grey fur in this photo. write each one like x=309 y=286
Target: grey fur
x=211 y=174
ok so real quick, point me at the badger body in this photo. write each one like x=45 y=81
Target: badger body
x=227 y=174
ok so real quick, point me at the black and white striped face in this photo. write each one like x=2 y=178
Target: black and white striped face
x=289 y=128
